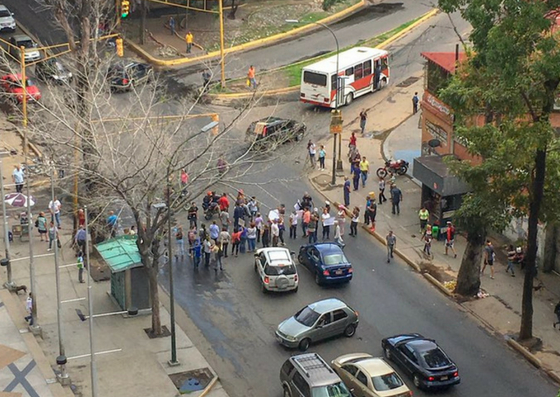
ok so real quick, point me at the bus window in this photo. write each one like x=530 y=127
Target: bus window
x=349 y=72
x=358 y=72
x=367 y=68
x=333 y=82
x=314 y=78
x=384 y=62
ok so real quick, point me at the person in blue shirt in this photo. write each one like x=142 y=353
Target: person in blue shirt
x=196 y=253
x=214 y=230
x=112 y=220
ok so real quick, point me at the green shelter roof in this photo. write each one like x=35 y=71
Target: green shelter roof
x=120 y=253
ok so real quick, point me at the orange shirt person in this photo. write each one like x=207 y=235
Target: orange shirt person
x=251 y=77
x=189 y=39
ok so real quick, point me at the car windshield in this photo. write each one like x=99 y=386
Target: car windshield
x=334 y=259
x=307 y=316
x=26 y=44
x=435 y=358
x=336 y=390
x=5 y=13
x=279 y=270
x=386 y=382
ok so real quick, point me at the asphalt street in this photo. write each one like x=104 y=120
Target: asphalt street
x=235 y=321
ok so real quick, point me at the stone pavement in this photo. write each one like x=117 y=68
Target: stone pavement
x=393 y=132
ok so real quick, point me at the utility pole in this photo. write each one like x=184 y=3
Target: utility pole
x=173 y=362
x=93 y=364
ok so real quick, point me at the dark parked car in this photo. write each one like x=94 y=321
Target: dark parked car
x=52 y=70
x=327 y=262
x=275 y=128
x=422 y=359
x=126 y=75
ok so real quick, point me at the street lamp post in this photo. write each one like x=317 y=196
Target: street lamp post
x=173 y=362
x=93 y=371
x=336 y=164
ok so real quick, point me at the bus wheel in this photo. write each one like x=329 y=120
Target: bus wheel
x=349 y=99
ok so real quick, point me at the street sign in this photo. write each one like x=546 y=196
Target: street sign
x=336 y=122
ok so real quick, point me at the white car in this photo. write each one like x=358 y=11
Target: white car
x=30 y=47
x=368 y=376
x=7 y=21
x=276 y=269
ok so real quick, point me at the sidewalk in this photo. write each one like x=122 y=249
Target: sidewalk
x=392 y=137
x=133 y=365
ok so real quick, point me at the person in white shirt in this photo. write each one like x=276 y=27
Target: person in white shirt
x=29 y=307
x=326 y=218
x=354 y=223
x=293 y=224
x=338 y=234
x=54 y=208
x=341 y=218
x=17 y=177
x=275 y=232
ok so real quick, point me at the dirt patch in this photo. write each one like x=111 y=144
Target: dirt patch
x=437 y=272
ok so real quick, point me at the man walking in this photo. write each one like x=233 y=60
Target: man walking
x=346 y=192
x=171 y=24
x=363 y=120
x=80 y=264
x=312 y=150
x=450 y=239
x=391 y=241
x=423 y=215
x=364 y=170
x=415 y=101
x=189 y=39
x=251 y=77
x=80 y=238
x=489 y=256
x=382 y=197
x=355 y=171
x=17 y=177
x=396 y=198
x=275 y=232
x=29 y=307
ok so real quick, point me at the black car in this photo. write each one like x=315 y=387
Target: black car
x=422 y=359
x=52 y=70
x=275 y=128
x=327 y=262
x=126 y=75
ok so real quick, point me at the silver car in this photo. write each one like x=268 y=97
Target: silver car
x=276 y=269
x=317 y=321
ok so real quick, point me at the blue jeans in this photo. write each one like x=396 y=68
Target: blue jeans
x=242 y=245
x=180 y=247
x=313 y=237
x=56 y=218
x=252 y=243
x=364 y=178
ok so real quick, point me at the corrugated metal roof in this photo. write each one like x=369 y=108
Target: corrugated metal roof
x=120 y=253
x=445 y=60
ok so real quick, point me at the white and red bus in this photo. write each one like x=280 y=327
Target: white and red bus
x=361 y=70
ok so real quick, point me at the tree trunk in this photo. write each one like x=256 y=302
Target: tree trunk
x=154 y=297
x=468 y=279
x=143 y=23
x=526 y=330
x=550 y=247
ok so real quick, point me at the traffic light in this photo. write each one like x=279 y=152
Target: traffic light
x=120 y=47
x=125 y=8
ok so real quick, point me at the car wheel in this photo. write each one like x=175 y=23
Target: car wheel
x=296 y=288
x=286 y=392
x=256 y=270
x=304 y=344
x=317 y=279
x=349 y=98
x=387 y=353
x=417 y=382
x=350 y=331
x=263 y=289
x=300 y=259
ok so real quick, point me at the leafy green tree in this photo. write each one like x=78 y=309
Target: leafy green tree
x=503 y=99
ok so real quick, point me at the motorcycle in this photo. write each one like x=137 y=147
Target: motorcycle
x=399 y=166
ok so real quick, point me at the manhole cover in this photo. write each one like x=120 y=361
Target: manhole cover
x=408 y=82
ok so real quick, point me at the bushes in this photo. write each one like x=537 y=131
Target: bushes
x=327 y=4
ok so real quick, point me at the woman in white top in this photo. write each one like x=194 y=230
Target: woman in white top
x=354 y=223
x=252 y=236
x=326 y=217
x=338 y=234
x=341 y=218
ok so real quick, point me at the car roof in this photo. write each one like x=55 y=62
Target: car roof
x=327 y=305
x=422 y=345
x=325 y=248
x=315 y=369
x=274 y=256
x=21 y=37
x=2 y=8
x=375 y=366
x=401 y=338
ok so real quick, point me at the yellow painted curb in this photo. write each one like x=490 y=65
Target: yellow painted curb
x=246 y=46
x=208 y=388
x=387 y=42
x=437 y=284
x=285 y=90
x=553 y=375
x=524 y=352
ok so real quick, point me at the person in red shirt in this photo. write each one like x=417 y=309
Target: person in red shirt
x=223 y=202
x=353 y=141
x=450 y=239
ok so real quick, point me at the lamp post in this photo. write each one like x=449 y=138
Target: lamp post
x=173 y=362
x=336 y=114
x=90 y=311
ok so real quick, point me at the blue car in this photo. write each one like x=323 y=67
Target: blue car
x=327 y=262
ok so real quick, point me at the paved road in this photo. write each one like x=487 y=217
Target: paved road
x=236 y=321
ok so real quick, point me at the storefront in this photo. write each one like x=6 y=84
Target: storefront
x=442 y=192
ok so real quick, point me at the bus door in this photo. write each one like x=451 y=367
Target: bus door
x=377 y=71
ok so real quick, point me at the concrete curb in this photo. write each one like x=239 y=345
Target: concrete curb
x=247 y=46
x=525 y=353
x=437 y=284
x=247 y=95
x=293 y=89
